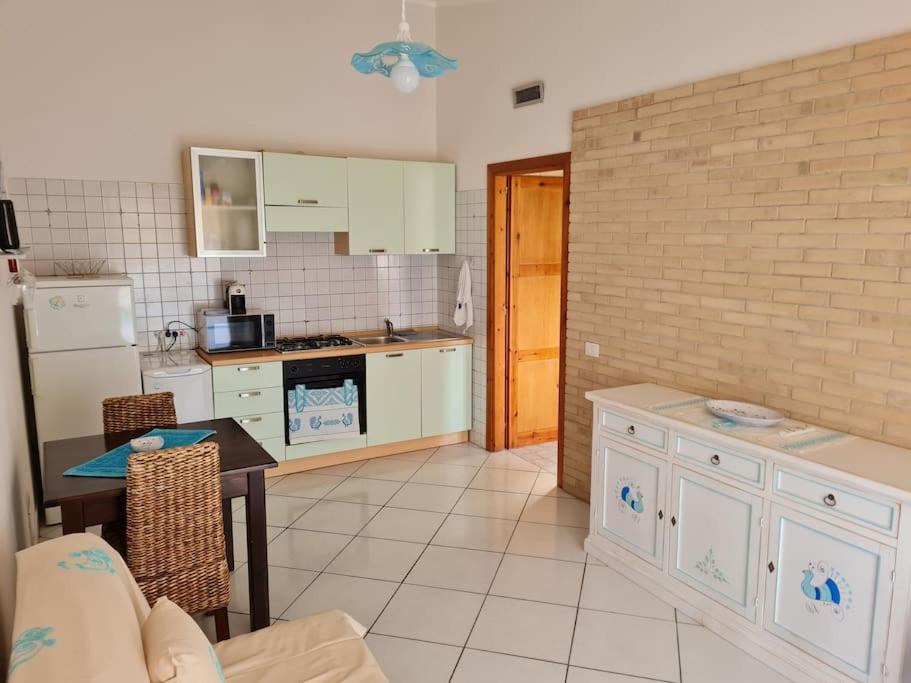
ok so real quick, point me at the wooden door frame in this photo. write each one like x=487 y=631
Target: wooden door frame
x=497 y=313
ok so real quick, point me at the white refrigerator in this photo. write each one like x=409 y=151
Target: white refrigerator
x=81 y=349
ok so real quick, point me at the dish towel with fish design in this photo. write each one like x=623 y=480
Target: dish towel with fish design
x=319 y=414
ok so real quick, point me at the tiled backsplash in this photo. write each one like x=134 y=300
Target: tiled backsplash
x=140 y=229
x=471 y=244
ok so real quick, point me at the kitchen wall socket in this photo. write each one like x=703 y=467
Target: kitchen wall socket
x=592 y=349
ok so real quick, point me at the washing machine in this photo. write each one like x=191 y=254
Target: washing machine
x=184 y=374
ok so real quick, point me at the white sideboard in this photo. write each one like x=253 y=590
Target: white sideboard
x=795 y=548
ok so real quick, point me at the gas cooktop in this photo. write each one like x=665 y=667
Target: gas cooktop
x=319 y=343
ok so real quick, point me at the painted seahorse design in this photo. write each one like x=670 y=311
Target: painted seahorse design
x=827 y=587
x=634 y=500
x=91 y=560
x=28 y=645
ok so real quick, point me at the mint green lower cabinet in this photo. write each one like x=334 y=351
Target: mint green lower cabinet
x=445 y=390
x=393 y=396
x=274 y=446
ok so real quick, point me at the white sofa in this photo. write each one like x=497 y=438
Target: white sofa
x=80 y=615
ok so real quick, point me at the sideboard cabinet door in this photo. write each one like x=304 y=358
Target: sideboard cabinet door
x=715 y=540
x=828 y=593
x=629 y=508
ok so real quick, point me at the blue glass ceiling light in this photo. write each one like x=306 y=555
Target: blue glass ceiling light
x=403 y=61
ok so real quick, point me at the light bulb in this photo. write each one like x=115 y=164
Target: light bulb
x=404 y=75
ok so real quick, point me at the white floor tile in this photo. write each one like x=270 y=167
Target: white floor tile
x=553 y=510
x=413 y=661
x=415 y=456
x=336 y=517
x=374 y=558
x=577 y=675
x=489 y=667
x=387 y=468
x=708 y=658
x=240 y=541
x=417 y=526
x=460 y=454
x=525 y=629
x=490 y=504
x=507 y=460
x=305 y=549
x=272 y=481
x=425 y=497
x=306 y=485
x=607 y=590
x=455 y=568
x=364 y=491
x=477 y=533
x=546 y=540
x=619 y=643
x=538 y=578
x=433 y=614
x=512 y=481
x=280 y=510
x=342 y=470
x=363 y=599
x=546 y=485
x=284 y=586
x=444 y=475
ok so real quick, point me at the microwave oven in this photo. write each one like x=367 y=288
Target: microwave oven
x=220 y=331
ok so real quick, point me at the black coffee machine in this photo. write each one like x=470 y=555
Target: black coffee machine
x=236 y=298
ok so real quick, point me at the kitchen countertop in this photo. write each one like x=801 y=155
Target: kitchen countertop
x=270 y=355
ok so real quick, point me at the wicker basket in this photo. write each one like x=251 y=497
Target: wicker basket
x=122 y=413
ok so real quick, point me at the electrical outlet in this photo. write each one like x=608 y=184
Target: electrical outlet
x=592 y=349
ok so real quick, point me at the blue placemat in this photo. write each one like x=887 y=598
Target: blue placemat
x=114 y=462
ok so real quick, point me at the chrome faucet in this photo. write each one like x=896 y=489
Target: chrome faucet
x=390 y=330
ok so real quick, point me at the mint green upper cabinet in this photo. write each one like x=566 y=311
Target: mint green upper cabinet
x=429 y=207
x=376 y=223
x=445 y=390
x=305 y=193
x=393 y=397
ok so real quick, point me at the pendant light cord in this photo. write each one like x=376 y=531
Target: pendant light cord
x=404 y=34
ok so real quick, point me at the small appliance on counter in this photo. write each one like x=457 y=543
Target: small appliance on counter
x=220 y=330
x=184 y=374
x=236 y=298
x=9 y=232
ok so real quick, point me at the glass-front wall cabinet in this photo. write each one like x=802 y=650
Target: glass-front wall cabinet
x=227 y=202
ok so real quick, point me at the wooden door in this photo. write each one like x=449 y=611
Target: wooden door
x=629 y=507
x=828 y=593
x=715 y=540
x=534 y=277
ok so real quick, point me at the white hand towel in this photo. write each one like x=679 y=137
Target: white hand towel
x=464 y=310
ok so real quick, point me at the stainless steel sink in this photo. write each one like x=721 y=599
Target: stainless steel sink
x=376 y=341
x=433 y=335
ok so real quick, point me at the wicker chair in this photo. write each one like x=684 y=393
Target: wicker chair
x=122 y=413
x=175 y=540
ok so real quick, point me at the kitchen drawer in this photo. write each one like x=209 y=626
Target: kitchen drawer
x=246 y=376
x=633 y=430
x=248 y=402
x=266 y=426
x=837 y=500
x=741 y=467
x=274 y=447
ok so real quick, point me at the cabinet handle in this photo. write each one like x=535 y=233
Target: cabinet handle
x=394 y=355
x=771 y=567
x=248 y=420
x=631 y=429
x=249 y=394
x=247 y=368
x=430 y=251
x=308 y=201
x=830 y=500
x=660 y=514
x=376 y=251
x=673 y=521
x=449 y=350
x=715 y=459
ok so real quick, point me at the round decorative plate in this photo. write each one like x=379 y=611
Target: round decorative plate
x=745 y=413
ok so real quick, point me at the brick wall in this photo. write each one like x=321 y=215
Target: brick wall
x=749 y=237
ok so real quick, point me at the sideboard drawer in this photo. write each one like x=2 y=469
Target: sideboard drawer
x=246 y=376
x=854 y=506
x=634 y=430
x=248 y=402
x=741 y=467
x=266 y=426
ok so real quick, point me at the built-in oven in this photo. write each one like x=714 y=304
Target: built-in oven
x=222 y=331
x=328 y=373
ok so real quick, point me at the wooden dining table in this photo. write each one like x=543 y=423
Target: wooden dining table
x=87 y=501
